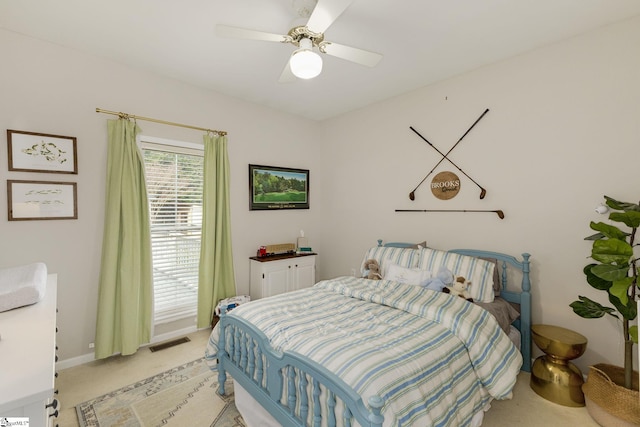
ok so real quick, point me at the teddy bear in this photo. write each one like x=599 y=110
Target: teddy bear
x=459 y=287
x=372 y=269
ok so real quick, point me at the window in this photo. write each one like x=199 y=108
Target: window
x=174 y=187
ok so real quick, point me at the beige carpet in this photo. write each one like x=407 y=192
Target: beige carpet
x=85 y=382
x=182 y=396
x=527 y=409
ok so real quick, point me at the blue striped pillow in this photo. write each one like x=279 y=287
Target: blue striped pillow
x=478 y=271
x=404 y=257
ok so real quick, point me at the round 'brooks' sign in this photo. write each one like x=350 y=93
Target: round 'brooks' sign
x=445 y=185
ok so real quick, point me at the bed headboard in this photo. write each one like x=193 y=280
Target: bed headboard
x=510 y=267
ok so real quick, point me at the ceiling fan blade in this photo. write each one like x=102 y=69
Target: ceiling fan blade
x=325 y=13
x=287 y=75
x=359 y=56
x=243 y=33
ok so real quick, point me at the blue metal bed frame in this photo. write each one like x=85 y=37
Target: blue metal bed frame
x=244 y=352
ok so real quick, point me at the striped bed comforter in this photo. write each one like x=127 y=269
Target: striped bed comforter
x=434 y=358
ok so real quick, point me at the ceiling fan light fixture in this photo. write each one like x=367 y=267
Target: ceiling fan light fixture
x=304 y=62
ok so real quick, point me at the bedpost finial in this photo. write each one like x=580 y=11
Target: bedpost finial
x=376 y=403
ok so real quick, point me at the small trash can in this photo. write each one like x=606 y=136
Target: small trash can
x=229 y=304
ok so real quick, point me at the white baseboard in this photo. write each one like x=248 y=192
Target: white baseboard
x=90 y=357
x=75 y=361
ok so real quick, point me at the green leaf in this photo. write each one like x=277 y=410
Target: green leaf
x=633 y=331
x=620 y=289
x=630 y=218
x=590 y=309
x=608 y=230
x=596 y=236
x=595 y=281
x=621 y=206
x=612 y=251
x=629 y=311
x=609 y=272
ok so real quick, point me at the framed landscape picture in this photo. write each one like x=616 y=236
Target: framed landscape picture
x=274 y=188
x=32 y=200
x=41 y=152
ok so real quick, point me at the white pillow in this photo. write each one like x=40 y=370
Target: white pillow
x=478 y=271
x=23 y=285
x=410 y=276
x=405 y=257
x=386 y=263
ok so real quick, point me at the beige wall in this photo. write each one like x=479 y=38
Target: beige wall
x=563 y=130
x=538 y=152
x=48 y=89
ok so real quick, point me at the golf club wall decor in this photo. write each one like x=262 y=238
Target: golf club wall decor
x=499 y=212
x=483 y=192
x=446 y=185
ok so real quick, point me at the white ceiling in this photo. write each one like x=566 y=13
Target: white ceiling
x=423 y=41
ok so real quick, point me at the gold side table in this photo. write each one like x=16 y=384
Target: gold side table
x=553 y=376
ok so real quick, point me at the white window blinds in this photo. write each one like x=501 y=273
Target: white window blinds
x=174 y=188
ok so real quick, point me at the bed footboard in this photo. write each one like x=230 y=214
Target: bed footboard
x=294 y=389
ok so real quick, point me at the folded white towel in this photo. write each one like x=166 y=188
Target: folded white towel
x=24 y=285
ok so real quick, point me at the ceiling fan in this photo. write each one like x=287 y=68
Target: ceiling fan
x=305 y=63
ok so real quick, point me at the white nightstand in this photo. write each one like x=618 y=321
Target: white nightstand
x=277 y=274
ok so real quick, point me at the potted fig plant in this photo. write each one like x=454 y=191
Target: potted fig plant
x=615 y=272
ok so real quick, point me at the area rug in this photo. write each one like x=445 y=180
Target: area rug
x=182 y=396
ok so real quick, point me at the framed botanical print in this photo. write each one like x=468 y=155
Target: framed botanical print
x=41 y=152
x=33 y=200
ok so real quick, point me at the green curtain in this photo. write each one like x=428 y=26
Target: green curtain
x=125 y=292
x=216 y=277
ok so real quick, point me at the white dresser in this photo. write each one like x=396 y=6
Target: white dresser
x=27 y=359
x=281 y=273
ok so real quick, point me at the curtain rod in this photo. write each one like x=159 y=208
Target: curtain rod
x=131 y=116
